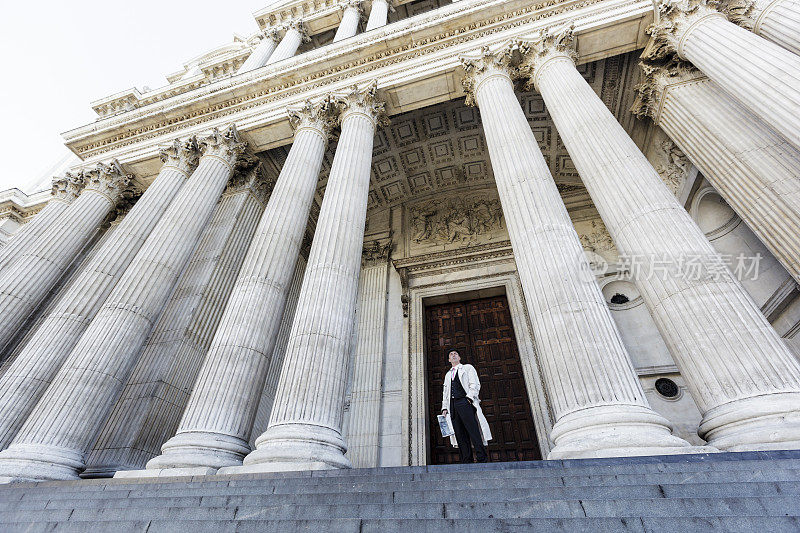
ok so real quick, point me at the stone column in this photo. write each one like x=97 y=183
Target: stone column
x=348 y=26
x=26 y=380
x=598 y=404
x=378 y=14
x=281 y=342
x=760 y=74
x=54 y=440
x=30 y=277
x=295 y=34
x=156 y=393
x=777 y=21
x=215 y=427
x=754 y=168
x=743 y=378
x=363 y=431
x=262 y=52
x=305 y=425
x=64 y=191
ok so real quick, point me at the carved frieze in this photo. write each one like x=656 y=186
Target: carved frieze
x=456 y=222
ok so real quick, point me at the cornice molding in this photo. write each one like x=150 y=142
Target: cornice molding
x=264 y=94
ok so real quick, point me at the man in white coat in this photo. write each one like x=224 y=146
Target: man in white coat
x=461 y=406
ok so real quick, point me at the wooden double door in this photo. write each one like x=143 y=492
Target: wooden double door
x=482 y=332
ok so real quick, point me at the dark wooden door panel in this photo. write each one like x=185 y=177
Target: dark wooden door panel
x=482 y=332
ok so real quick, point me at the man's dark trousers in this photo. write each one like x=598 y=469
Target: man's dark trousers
x=465 y=425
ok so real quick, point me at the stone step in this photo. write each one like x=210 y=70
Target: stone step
x=776 y=461
x=307 y=486
x=225 y=499
x=665 y=508
x=575 y=525
x=455 y=472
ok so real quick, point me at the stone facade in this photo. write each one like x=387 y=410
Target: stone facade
x=238 y=282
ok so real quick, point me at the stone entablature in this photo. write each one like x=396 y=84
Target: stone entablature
x=415 y=61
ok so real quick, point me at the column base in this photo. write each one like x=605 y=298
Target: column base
x=36 y=462
x=768 y=422
x=295 y=447
x=164 y=472
x=617 y=431
x=200 y=450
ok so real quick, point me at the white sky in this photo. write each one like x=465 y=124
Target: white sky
x=58 y=56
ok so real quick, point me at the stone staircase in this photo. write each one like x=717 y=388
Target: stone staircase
x=753 y=491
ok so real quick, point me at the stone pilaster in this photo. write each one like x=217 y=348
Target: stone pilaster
x=215 y=427
x=351 y=16
x=305 y=425
x=598 y=405
x=64 y=191
x=379 y=14
x=760 y=74
x=27 y=280
x=363 y=430
x=156 y=393
x=753 y=167
x=741 y=375
x=295 y=33
x=54 y=440
x=777 y=21
x=26 y=380
x=262 y=52
x=276 y=362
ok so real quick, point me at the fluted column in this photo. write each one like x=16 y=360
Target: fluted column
x=348 y=26
x=150 y=406
x=365 y=397
x=598 y=404
x=215 y=427
x=777 y=21
x=741 y=375
x=26 y=380
x=754 y=168
x=295 y=34
x=378 y=14
x=276 y=362
x=54 y=440
x=760 y=74
x=305 y=425
x=64 y=191
x=29 y=278
x=262 y=52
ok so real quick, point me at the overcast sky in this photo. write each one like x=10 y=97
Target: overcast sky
x=58 y=56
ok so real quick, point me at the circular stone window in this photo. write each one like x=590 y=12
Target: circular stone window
x=667 y=388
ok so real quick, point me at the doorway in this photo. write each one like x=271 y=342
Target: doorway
x=481 y=331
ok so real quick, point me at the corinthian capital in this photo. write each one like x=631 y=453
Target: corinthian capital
x=251 y=176
x=225 y=145
x=68 y=187
x=656 y=81
x=182 y=155
x=354 y=4
x=362 y=101
x=300 y=27
x=110 y=181
x=746 y=13
x=376 y=252
x=549 y=44
x=319 y=116
x=272 y=34
x=489 y=62
x=676 y=19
